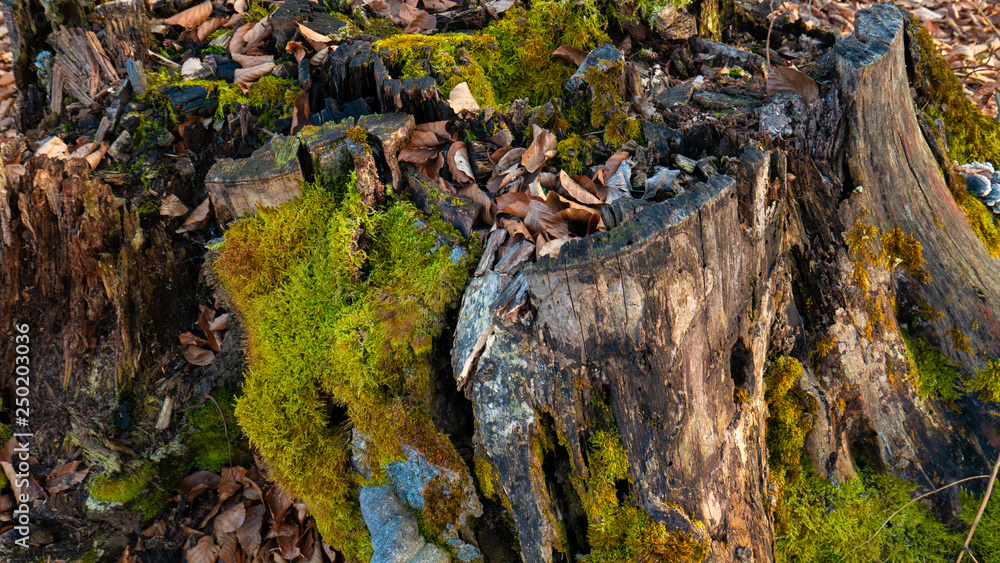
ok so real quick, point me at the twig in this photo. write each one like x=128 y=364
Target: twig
x=225 y=427
x=982 y=508
x=901 y=508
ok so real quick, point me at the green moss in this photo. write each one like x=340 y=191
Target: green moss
x=488 y=477
x=987 y=381
x=123 y=487
x=210 y=447
x=510 y=59
x=617 y=530
x=575 y=153
x=827 y=521
x=442 y=505
x=986 y=541
x=258 y=10
x=317 y=338
x=904 y=251
x=931 y=371
x=609 y=109
x=89 y=557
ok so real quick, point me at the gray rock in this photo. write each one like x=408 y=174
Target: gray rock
x=680 y=94
x=431 y=554
x=603 y=58
x=720 y=101
x=977 y=185
x=378 y=506
x=398 y=541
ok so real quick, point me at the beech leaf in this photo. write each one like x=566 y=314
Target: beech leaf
x=204 y=552
x=461 y=100
x=230 y=520
x=571 y=54
x=543 y=147
x=317 y=40
x=192 y=17
x=199 y=356
x=792 y=81
x=458 y=163
x=171 y=206
x=198 y=219
x=250 y=75
x=249 y=532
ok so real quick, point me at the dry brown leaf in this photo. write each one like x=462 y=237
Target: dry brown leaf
x=53 y=147
x=501 y=138
x=571 y=54
x=543 y=147
x=278 y=502
x=159 y=528
x=287 y=535
x=542 y=221
x=171 y=206
x=317 y=40
x=423 y=23
x=191 y=339
x=298 y=50
x=219 y=323
x=551 y=248
x=249 y=532
x=197 y=483
x=250 y=75
x=205 y=320
x=514 y=204
x=204 y=552
x=198 y=219
x=461 y=100
x=443 y=129
x=477 y=195
x=209 y=27
x=64 y=477
x=440 y=5
x=230 y=520
x=576 y=191
x=198 y=356
x=240 y=6
x=229 y=549
x=793 y=81
x=458 y=163
x=259 y=31
x=230 y=482
x=250 y=61
x=320 y=57
x=236 y=43
x=192 y=17
x=515 y=228
x=498 y=154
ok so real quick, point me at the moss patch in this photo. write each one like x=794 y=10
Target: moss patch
x=123 y=487
x=210 y=447
x=987 y=381
x=617 y=530
x=827 y=521
x=932 y=373
x=510 y=59
x=986 y=542
x=321 y=343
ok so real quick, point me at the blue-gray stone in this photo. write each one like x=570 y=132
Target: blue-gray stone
x=378 y=506
x=430 y=554
x=398 y=541
x=603 y=57
x=977 y=185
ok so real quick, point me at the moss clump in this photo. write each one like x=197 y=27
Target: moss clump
x=617 y=530
x=932 y=372
x=510 y=59
x=271 y=96
x=827 y=521
x=987 y=381
x=442 y=506
x=608 y=107
x=791 y=415
x=986 y=542
x=575 y=153
x=258 y=10
x=123 y=487
x=903 y=251
x=210 y=446
x=320 y=342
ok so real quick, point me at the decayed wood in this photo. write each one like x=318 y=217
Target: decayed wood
x=126 y=30
x=653 y=312
x=83 y=64
x=426 y=194
x=268 y=178
x=392 y=131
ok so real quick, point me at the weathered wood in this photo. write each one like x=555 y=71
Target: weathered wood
x=83 y=63
x=653 y=310
x=126 y=30
x=392 y=132
x=460 y=211
x=268 y=178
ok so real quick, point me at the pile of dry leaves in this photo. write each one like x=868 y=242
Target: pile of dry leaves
x=967 y=32
x=212 y=325
x=30 y=481
x=525 y=194
x=235 y=517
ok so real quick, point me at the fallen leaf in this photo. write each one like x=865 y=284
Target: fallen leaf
x=551 y=248
x=171 y=206
x=229 y=550
x=458 y=163
x=317 y=40
x=443 y=129
x=298 y=50
x=543 y=147
x=498 y=6
x=250 y=75
x=250 y=61
x=198 y=356
x=159 y=528
x=192 y=17
x=501 y=138
x=249 y=533
x=236 y=43
x=65 y=477
x=53 y=147
x=461 y=100
x=259 y=31
x=198 y=219
x=514 y=204
x=204 y=552
x=423 y=23
x=576 y=191
x=571 y=54
x=287 y=535
x=541 y=220
x=191 y=339
x=230 y=520
x=278 y=502
x=220 y=322
x=300 y=112
x=440 y=5
x=230 y=481
x=197 y=483
x=209 y=27
x=793 y=81
x=477 y=195
x=205 y=320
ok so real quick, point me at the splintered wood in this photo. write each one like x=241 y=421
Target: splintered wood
x=82 y=67
x=7 y=92
x=966 y=32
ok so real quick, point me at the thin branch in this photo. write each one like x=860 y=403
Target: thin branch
x=982 y=508
x=901 y=508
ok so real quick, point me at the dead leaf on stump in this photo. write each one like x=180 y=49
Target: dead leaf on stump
x=571 y=54
x=198 y=356
x=792 y=81
x=171 y=206
x=461 y=100
x=542 y=148
x=199 y=218
x=192 y=17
